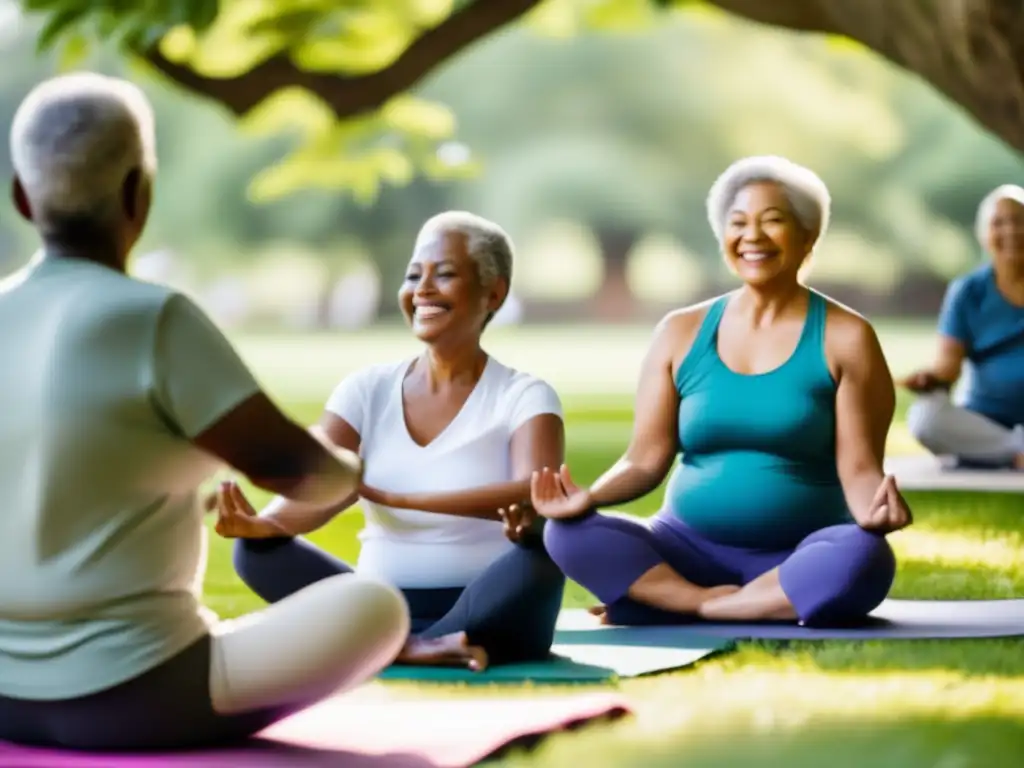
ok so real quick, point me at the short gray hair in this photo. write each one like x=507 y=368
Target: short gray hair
x=75 y=139
x=486 y=243
x=987 y=208
x=806 y=192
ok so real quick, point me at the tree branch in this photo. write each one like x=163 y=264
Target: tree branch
x=351 y=96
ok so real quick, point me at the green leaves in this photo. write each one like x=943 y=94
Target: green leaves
x=132 y=23
x=358 y=155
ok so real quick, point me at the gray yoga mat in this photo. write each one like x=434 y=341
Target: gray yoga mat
x=929 y=473
x=897 y=619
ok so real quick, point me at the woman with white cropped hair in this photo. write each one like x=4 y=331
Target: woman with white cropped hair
x=119 y=398
x=779 y=400
x=450 y=438
x=981 y=326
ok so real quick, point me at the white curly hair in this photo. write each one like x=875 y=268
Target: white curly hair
x=807 y=194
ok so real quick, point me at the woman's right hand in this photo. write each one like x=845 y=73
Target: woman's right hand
x=555 y=496
x=922 y=382
x=237 y=518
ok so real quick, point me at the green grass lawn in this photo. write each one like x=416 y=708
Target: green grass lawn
x=934 y=704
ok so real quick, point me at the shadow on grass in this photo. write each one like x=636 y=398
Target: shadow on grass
x=918 y=742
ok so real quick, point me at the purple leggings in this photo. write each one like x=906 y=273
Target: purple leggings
x=837 y=575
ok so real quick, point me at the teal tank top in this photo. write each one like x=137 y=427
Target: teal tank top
x=758 y=467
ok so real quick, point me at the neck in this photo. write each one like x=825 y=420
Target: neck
x=1010 y=281
x=105 y=251
x=765 y=303
x=446 y=365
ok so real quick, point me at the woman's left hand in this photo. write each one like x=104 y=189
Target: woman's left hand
x=888 y=511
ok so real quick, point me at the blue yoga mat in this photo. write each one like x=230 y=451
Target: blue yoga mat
x=894 y=619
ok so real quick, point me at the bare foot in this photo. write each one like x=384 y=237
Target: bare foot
x=758 y=601
x=601 y=611
x=451 y=650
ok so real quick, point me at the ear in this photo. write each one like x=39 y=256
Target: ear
x=497 y=295
x=133 y=194
x=20 y=199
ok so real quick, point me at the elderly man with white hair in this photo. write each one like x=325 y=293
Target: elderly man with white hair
x=119 y=398
x=450 y=438
x=779 y=400
x=981 y=324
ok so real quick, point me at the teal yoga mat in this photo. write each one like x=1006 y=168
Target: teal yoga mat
x=581 y=657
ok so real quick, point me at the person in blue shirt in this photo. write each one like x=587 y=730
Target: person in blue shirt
x=981 y=329
x=780 y=401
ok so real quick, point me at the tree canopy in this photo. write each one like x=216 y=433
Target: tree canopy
x=337 y=74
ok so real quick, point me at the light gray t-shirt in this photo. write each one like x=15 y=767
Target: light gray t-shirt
x=103 y=382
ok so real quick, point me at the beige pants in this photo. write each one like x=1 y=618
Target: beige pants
x=331 y=636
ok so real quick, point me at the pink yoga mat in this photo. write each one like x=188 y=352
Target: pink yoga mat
x=358 y=730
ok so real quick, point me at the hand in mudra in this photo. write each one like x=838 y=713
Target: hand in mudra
x=237 y=519
x=517 y=521
x=888 y=511
x=555 y=496
x=922 y=382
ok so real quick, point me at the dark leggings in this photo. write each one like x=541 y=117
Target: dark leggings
x=510 y=609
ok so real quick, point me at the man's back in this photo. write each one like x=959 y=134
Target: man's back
x=101 y=541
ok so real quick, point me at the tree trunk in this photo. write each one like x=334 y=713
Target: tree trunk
x=614 y=301
x=972 y=51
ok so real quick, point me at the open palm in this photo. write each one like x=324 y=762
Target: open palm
x=237 y=519
x=555 y=496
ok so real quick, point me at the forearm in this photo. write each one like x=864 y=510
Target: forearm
x=482 y=503
x=297 y=518
x=860 y=488
x=626 y=481
x=325 y=475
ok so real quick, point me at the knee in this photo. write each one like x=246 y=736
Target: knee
x=375 y=612
x=249 y=557
x=564 y=541
x=926 y=417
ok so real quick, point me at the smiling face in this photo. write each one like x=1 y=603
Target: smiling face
x=1006 y=233
x=763 y=241
x=442 y=297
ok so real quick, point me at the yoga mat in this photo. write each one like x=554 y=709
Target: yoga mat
x=576 y=659
x=894 y=619
x=930 y=473
x=359 y=731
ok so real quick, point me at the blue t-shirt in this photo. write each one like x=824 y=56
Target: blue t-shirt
x=991 y=330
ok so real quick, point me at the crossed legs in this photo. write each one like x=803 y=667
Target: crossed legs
x=946 y=429
x=507 y=614
x=664 y=572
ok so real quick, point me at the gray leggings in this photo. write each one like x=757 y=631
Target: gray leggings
x=166 y=708
x=946 y=429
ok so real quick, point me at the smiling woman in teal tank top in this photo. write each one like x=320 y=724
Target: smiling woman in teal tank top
x=759 y=461
x=779 y=402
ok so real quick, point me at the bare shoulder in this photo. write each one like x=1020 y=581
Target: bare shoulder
x=850 y=338
x=675 y=333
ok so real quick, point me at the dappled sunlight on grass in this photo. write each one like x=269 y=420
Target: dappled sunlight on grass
x=949 y=565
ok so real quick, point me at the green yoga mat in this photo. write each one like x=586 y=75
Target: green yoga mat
x=579 y=657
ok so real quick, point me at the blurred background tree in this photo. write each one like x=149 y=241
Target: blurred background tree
x=327 y=131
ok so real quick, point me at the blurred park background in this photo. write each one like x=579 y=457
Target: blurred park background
x=592 y=139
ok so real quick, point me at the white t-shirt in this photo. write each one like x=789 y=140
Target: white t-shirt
x=413 y=549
